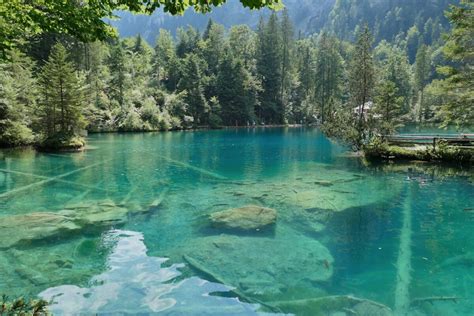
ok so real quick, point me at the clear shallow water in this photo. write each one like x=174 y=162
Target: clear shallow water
x=127 y=226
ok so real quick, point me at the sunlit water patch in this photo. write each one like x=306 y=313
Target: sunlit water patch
x=91 y=230
x=138 y=284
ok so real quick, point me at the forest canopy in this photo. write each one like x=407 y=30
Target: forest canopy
x=21 y=19
x=55 y=85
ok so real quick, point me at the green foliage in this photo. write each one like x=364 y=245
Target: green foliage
x=378 y=149
x=192 y=81
x=22 y=307
x=17 y=98
x=241 y=77
x=62 y=99
x=459 y=49
x=237 y=91
x=388 y=106
x=362 y=81
x=268 y=58
x=22 y=19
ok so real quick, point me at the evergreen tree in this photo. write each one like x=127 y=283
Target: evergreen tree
x=118 y=82
x=422 y=74
x=387 y=106
x=192 y=81
x=17 y=98
x=165 y=63
x=269 y=71
x=458 y=86
x=361 y=80
x=62 y=98
x=286 y=56
x=328 y=74
x=303 y=97
x=237 y=92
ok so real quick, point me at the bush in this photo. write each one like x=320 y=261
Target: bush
x=62 y=143
x=14 y=134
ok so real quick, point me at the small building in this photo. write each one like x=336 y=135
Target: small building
x=367 y=108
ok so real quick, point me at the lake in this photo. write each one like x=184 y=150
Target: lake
x=125 y=227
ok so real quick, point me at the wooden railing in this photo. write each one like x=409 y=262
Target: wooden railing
x=428 y=139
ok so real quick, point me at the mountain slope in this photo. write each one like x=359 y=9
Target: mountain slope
x=386 y=18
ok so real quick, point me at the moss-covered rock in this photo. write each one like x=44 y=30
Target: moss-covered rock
x=249 y=217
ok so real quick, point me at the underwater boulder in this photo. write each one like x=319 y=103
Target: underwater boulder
x=34 y=226
x=97 y=213
x=259 y=266
x=249 y=217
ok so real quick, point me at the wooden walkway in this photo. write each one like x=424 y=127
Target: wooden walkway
x=431 y=139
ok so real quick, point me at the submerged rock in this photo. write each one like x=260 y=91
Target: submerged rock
x=18 y=229
x=249 y=217
x=260 y=267
x=34 y=226
x=98 y=213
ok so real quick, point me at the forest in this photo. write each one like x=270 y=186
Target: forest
x=55 y=86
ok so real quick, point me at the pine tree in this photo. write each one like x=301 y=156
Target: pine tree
x=422 y=74
x=117 y=66
x=328 y=74
x=62 y=99
x=192 y=81
x=458 y=85
x=287 y=39
x=387 y=106
x=304 y=92
x=17 y=99
x=237 y=92
x=269 y=71
x=165 y=66
x=361 y=80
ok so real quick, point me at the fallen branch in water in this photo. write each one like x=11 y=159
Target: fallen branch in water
x=432 y=299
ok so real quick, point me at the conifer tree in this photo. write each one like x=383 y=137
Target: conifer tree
x=192 y=81
x=422 y=73
x=361 y=80
x=118 y=82
x=387 y=106
x=62 y=99
x=459 y=84
x=287 y=35
x=237 y=92
x=17 y=100
x=269 y=71
x=328 y=74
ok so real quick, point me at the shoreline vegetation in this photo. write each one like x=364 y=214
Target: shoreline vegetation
x=382 y=151
x=55 y=85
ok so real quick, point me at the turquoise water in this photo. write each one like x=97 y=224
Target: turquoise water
x=124 y=227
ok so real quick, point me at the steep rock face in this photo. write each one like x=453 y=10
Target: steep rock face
x=249 y=217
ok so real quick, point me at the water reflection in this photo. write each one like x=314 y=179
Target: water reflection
x=136 y=283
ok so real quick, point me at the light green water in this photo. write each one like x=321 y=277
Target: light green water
x=124 y=227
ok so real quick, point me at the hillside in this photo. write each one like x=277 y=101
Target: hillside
x=386 y=18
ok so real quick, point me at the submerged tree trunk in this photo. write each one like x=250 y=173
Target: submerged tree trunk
x=402 y=291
